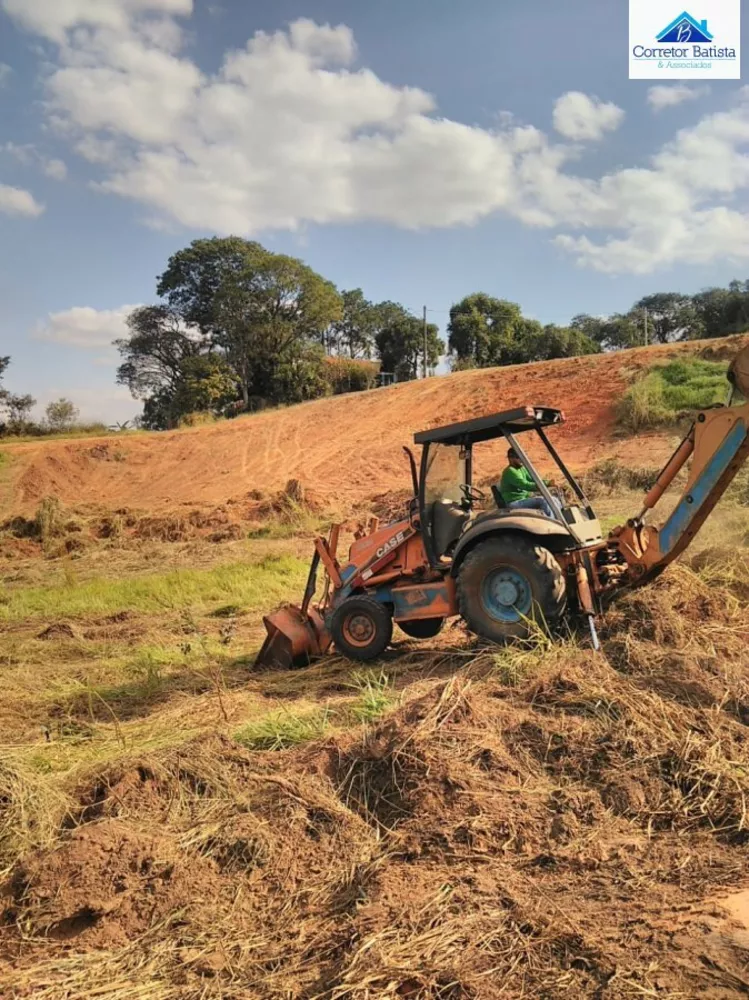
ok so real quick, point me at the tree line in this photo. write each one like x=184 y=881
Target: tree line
x=484 y=331
x=15 y=412
x=238 y=328
x=668 y=317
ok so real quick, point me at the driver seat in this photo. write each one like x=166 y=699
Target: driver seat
x=448 y=519
x=498 y=498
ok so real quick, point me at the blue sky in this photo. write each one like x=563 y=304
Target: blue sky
x=418 y=151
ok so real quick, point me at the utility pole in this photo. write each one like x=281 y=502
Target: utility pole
x=425 y=343
x=646 y=326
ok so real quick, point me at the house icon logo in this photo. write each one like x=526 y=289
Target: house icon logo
x=686 y=29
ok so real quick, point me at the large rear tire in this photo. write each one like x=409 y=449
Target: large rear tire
x=362 y=628
x=507 y=583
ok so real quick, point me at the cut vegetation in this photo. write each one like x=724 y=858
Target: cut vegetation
x=456 y=822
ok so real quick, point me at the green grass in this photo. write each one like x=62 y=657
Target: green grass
x=253 y=586
x=281 y=730
x=669 y=393
x=375 y=696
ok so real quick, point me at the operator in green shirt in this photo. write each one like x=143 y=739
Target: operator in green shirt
x=518 y=488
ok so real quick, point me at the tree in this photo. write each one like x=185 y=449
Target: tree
x=593 y=327
x=156 y=350
x=257 y=308
x=269 y=313
x=722 y=311
x=400 y=342
x=207 y=384
x=61 y=414
x=537 y=343
x=195 y=275
x=611 y=333
x=301 y=376
x=4 y=394
x=485 y=331
x=355 y=332
x=482 y=330
x=671 y=316
x=19 y=409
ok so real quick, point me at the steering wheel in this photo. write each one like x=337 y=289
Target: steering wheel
x=471 y=494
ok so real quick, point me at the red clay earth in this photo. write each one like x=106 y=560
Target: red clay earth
x=346 y=449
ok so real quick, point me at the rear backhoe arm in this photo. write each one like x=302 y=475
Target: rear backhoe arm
x=718 y=444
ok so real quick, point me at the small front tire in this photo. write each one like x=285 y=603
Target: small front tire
x=361 y=628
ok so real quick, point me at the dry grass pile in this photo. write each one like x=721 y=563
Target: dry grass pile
x=291 y=504
x=609 y=477
x=568 y=834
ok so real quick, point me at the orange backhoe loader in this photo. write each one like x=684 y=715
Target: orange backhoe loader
x=500 y=569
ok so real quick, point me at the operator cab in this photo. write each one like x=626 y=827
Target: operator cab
x=447 y=495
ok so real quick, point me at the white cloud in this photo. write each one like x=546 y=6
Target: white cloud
x=24 y=154
x=17 y=201
x=289 y=131
x=580 y=117
x=669 y=95
x=56 y=169
x=29 y=155
x=52 y=18
x=6 y=72
x=85 y=327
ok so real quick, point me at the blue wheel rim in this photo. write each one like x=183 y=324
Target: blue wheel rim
x=506 y=595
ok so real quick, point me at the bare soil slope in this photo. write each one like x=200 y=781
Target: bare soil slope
x=347 y=448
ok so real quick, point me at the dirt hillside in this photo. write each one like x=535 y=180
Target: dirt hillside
x=347 y=448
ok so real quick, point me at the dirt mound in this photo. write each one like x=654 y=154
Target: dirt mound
x=107 y=884
x=574 y=833
x=346 y=449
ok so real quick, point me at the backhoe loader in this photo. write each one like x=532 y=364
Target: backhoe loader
x=501 y=570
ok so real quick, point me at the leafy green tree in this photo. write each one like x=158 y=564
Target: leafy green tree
x=400 y=342
x=207 y=383
x=158 y=411
x=301 y=376
x=485 y=331
x=482 y=330
x=155 y=353
x=19 y=410
x=611 y=333
x=593 y=327
x=722 y=311
x=195 y=275
x=671 y=316
x=61 y=414
x=354 y=333
x=259 y=309
x=537 y=343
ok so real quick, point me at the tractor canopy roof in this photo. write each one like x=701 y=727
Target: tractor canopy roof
x=524 y=418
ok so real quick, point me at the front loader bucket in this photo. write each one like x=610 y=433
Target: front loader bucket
x=294 y=638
